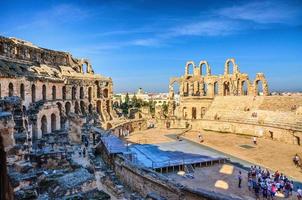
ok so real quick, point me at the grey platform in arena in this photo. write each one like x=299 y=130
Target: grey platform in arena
x=173 y=154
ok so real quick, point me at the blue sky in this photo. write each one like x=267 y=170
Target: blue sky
x=142 y=43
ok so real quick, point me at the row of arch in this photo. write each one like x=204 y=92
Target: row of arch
x=54 y=92
x=196 y=71
x=224 y=88
x=193 y=112
x=78 y=108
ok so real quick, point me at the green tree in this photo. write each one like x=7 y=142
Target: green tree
x=127 y=98
x=165 y=108
x=134 y=101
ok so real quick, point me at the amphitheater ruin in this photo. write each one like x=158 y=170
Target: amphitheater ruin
x=61 y=137
x=232 y=103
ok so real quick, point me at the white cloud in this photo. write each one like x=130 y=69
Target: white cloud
x=145 y=42
x=264 y=12
x=206 y=28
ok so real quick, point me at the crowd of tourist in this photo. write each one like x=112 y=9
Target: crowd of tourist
x=268 y=185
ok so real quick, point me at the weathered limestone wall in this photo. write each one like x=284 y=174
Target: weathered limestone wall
x=283 y=135
x=193 y=107
x=51 y=83
x=75 y=128
x=146 y=181
x=47 y=112
x=125 y=127
x=275 y=117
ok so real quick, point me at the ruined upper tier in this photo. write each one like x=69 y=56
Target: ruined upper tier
x=22 y=58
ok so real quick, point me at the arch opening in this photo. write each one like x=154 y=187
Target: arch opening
x=98 y=89
x=205 y=89
x=207 y=70
x=61 y=114
x=82 y=105
x=105 y=93
x=259 y=88
x=67 y=108
x=226 y=88
x=81 y=93
x=227 y=69
x=193 y=112
x=10 y=90
x=89 y=93
x=90 y=108
x=184 y=112
x=22 y=91
x=53 y=122
x=216 y=88
x=76 y=108
x=44 y=125
x=244 y=90
x=44 y=92
x=64 y=92
x=54 y=92
x=74 y=93
x=33 y=93
x=189 y=70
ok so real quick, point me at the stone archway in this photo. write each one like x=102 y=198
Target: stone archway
x=184 y=112
x=105 y=93
x=44 y=125
x=76 y=107
x=226 y=88
x=260 y=81
x=208 y=68
x=189 y=64
x=89 y=93
x=62 y=120
x=205 y=89
x=53 y=119
x=22 y=91
x=227 y=66
x=44 y=93
x=82 y=93
x=74 y=93
x=54 y=92
x=193 y=112
x=244 y=88
x=67 y=107
x=10 y=90
x=33 y=93
x=82 y=105
x=64 y=92
x=216 y=88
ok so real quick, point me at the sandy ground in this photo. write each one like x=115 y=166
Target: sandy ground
x=268 y=153
x=152 y=136
x=220 y=179
x=271 y=154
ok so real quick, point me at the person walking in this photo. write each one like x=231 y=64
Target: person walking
x=239 y=179
x=200 y=138
x=255 y=140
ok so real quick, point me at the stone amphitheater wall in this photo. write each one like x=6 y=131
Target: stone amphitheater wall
x=274 y=117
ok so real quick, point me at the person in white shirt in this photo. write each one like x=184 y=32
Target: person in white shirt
x=255 y=140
